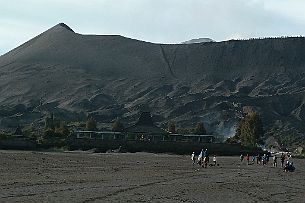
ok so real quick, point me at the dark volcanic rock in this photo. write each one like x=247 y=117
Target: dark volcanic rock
x=110 y=76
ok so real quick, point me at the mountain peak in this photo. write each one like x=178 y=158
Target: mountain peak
x=65 y=26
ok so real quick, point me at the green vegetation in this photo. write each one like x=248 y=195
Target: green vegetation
x=249 y=131
x=117 y=126
x=171 y=127
x=52 y=123
x=63 y=129
x=54 y=134
x=200 y=129
x=91 y=124
x=55 y=128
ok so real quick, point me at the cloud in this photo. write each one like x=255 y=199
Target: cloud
x=164 y=21
x=292 y=9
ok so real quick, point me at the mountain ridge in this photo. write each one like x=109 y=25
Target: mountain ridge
x=109 y=76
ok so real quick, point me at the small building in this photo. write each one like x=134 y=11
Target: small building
x=145 y=129
x=103 y=135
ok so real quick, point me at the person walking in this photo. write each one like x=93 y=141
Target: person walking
x=205 y=158
x=253 y=159
x=248 y=158
x=264 y=159
x=274 y=161
x=258 y=158
x=289 y=157
x=241 y=157
x=200 y=157
x=282 y=159
x=206 y=155
x=214 y=160
x=193 y=158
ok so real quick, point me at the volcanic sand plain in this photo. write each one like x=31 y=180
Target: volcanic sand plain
x=31 y=176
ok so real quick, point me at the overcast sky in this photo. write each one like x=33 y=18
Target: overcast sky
x=163 y=21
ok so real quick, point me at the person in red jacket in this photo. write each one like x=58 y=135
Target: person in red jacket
x=248 y=158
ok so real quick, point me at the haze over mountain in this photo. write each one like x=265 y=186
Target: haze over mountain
x=74 y=75
x=199 y=40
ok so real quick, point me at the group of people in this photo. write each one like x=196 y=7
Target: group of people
x=203 y=158
x=288 y=166
x=286 y=160
x=259 y=159
x=264 y=160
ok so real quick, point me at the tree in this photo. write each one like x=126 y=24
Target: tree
x=117 y=126
x=171 y=127
x=51 y=123
x=231 y=140
x=250 y=130
x=49 y=133
x=200 y=129
x=91 y=124
x=63 y=129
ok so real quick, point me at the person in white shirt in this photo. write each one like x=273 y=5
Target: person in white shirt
x=193 y=158
x=274 y=161
x=214 y=160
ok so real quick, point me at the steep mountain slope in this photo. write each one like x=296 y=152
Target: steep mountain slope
x=73 y=75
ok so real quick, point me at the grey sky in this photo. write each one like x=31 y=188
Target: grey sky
x=163 y=21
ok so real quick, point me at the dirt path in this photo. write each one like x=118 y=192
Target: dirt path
x=142 y=177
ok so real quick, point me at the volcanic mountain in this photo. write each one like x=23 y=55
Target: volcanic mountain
x=109 y=76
